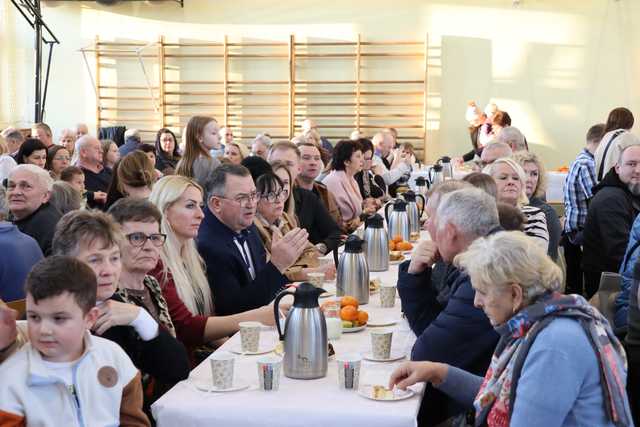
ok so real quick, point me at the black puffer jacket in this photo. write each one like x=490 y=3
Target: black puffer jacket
x=612 y=211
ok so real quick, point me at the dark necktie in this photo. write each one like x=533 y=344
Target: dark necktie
x=241 y=238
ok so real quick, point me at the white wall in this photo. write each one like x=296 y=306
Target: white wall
x=557 y=66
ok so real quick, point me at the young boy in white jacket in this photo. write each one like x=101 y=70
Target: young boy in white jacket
x=65 y=376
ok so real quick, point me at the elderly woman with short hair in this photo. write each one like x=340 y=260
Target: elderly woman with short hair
x=557 y=362
x=536 y=189
x=510 y=181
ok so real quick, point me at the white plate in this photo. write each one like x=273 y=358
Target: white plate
x=207 y=385
x=398 y=261
x=367 y=391
x=354 y=329
x=262 y=349
x=395 y=355
x=384 y=321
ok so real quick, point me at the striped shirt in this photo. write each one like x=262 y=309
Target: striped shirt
x=578 y=188
x=536 y=225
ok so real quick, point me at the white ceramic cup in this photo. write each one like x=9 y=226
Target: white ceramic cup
x=381 y=343
x=387 y=296
x=222 y=370
x=250 y=336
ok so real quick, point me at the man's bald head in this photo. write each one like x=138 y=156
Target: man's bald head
x=89 y=151
x=81 y=130
x=383 y=141
x=494 y=151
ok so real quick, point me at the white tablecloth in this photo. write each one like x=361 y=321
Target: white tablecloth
x=306 y=403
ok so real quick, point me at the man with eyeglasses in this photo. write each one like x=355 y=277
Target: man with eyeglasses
x=28 y=192
x=239 y=273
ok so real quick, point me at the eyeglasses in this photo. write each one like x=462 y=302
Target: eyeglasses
x=275 y=196
x=243 y=200
x=139 y=239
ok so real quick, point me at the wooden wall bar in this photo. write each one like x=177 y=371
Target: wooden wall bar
x=278 y=106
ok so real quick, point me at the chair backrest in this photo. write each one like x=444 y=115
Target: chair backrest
x=20 y=306
x=610 y=284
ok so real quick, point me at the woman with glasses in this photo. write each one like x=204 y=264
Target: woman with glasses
x=167 y=152
x=181 y=273
x=139 y=221
x=273 y=222
x=58 y=159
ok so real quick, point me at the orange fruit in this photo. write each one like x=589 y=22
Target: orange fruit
x=392 y=246
x=363 y=317
x=397 y=238
x=349 y=313
x=405 y=246
x=348 y=300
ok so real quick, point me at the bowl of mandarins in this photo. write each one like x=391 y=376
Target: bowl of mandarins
x=353 y=320
x=397 y=249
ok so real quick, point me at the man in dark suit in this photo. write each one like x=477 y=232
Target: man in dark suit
x=240 y=275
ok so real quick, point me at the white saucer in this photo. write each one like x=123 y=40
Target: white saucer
x=262 y=349
x=395 y=355
x=367 y=391
x=398 y=261
x=354 y=329
x=207 y=385
x=384 y=321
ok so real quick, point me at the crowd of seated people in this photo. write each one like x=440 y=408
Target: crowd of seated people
x=157 y=250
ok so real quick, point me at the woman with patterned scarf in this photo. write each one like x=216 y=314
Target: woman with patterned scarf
x=557 y=362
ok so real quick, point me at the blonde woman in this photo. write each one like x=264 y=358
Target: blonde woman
x=180 y=270
x=510 y=181
x=236 y=152
x=536 y=189
x=281 y=170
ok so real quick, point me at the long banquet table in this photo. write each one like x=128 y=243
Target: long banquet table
x=299 y=402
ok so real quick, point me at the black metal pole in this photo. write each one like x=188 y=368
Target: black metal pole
x=38 y=62
x=46 y=82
